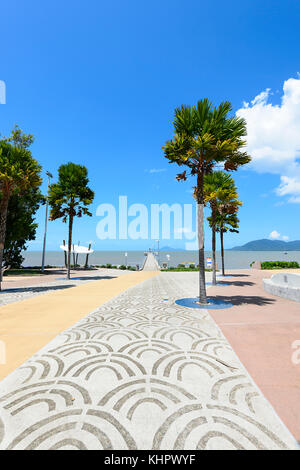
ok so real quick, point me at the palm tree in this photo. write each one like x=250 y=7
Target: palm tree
x=227 y=222
x=218 y=188
x=69 y=198
x=205 y=135
x=19 y=171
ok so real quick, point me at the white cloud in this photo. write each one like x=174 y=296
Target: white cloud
x=273 y=138
x=276 y=236
x=289 y=186
x=295 y=199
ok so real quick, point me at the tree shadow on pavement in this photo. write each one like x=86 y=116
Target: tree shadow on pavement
x=34 y=289
x=246 y=299
x=91 y=278
x=237 y=283
x=17 y=290
x=236 y=275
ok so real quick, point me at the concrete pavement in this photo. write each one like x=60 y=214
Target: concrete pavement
x=139 y=372
x=29 y=324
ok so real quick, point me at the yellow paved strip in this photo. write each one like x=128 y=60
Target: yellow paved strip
x=28 y=325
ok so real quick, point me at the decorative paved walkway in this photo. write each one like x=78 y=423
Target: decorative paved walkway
x=28 y=325
x=139 y=373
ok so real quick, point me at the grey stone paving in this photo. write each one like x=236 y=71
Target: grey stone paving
x=139 y=373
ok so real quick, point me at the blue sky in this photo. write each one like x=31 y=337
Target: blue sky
x=97 y=83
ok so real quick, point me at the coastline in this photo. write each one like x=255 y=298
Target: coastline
x=233 y=259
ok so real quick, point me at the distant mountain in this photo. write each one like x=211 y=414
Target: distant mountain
x=269 y=245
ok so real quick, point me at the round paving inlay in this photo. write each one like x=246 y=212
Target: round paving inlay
x=212 y=304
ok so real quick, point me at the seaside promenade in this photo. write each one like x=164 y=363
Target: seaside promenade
x=125 y=367
x=264 y=331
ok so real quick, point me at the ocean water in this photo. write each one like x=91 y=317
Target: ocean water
x=233 y=259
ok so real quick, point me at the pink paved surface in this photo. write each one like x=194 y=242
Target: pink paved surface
x=31 y=281
x=261 y=328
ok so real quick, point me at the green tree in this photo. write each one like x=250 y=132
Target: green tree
x=205 y=135
x=19 y=138
x=18 y=172
x=20 y=225
x=69 y=198
x=219 y=189
x=220 y=192
x=227 y=221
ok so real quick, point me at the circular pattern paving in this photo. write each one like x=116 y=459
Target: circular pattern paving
x=213 y=303
x=140 y=372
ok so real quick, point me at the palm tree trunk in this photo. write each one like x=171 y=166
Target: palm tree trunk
x=222 y=251
x=3 y=218
x=213 y=243
x=69 y=245
x=87 y=258
x=214 y=271
x=200 y=212
x=65 y=254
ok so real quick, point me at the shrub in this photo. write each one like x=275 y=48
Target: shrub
x=193 y=269
x=280 y=265
x=122 y=266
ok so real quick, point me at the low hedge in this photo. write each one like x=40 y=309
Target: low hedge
x=185 y=269
x=112 y=266
x=187 y=266
x=280 y=265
